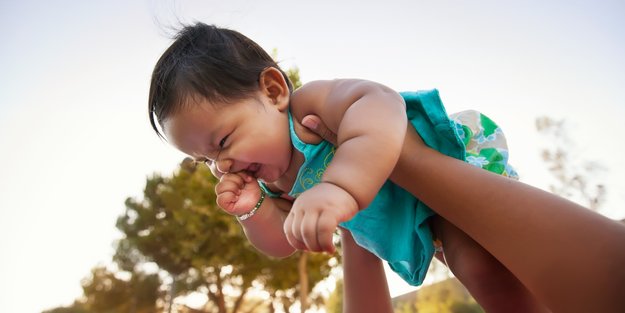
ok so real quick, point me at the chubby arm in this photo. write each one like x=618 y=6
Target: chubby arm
x=237 y=194
x=264 y=229
x=370 y=122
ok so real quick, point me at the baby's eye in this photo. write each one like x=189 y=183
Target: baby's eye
x=223 y=141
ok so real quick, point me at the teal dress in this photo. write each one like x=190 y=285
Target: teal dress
x=395 y=226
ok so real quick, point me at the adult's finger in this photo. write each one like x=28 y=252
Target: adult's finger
x=315 y=124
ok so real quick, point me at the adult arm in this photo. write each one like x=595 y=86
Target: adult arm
x=571 y=258
x=365 y=288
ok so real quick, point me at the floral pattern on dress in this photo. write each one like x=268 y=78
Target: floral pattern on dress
x=484 y=141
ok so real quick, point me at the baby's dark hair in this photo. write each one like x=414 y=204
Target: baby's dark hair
x=216 y=64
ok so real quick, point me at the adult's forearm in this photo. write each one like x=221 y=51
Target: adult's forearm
x=571 y=257
x=365 y=288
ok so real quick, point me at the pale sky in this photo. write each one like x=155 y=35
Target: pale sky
x=76 y=141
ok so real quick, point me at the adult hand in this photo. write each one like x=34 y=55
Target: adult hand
x=316 y=125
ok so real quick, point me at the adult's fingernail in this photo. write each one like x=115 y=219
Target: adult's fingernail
x=310 y=123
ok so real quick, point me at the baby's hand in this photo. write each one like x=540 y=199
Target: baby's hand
x=237 y=193
x=315 y=215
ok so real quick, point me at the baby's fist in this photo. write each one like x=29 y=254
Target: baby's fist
x=237 y=193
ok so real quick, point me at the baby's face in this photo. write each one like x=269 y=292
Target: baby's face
x=248 y=135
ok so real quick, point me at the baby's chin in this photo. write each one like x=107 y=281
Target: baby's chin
x=269 y=177
x=267 y=180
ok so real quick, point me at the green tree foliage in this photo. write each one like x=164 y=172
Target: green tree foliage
x=448 y=296
x=178 y=226
x=74 y=308
x=406 y=307
x=105 y=292
x=293 y=74
x=466 y=307
x=575 y=177
x=334 y=303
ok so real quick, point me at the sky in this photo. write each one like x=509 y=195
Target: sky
x=76 y=141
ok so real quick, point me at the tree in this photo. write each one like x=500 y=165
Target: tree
x=77 y=307
x=406 y=307
x=574 y=176
x=466 y=307
x=178 y=226
x=334 y=303
x=105 y=292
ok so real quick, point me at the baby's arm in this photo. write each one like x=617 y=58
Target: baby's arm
x=370 y=122
x=237 y=194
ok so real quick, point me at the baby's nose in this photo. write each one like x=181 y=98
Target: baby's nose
x=223 y=166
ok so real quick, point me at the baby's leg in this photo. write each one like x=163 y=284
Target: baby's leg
x=492 y=285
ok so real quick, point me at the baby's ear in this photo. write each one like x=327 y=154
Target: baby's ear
x=274 y=86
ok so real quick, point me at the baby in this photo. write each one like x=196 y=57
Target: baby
x=222 y=100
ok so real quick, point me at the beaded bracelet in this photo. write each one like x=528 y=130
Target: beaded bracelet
x=256 y=207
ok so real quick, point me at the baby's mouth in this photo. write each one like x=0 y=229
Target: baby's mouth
x=253 y=169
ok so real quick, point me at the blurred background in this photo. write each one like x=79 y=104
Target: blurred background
x=76 y=141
